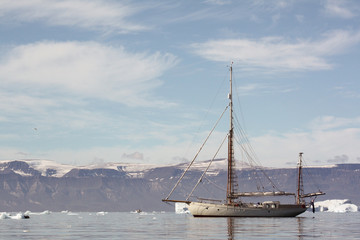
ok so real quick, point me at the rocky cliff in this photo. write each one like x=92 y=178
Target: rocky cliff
x=36 y=185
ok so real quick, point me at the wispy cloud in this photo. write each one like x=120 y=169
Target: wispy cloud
x=249 y=87
x=347 y=92
x=218 y=2
x=339 y=9
x=278 y=53
x=261 y=88
x=299 y=18
x=332 y=122
x=319 y=145
x=265 y=6
x=85 y=69
x=17 y=103
x=100 y=15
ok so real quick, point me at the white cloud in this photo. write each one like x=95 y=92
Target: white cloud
x=249 y=87
x=97 y=14
x=85 y=69
x=277 y=53
x=266 y=6
x=299 y=18
x=14 y=104
x=133 y=156
x=275 y=18
x=318 y=144
x=275 y=149
x=218 y=2
x=338 y=8
x=283 y=3
x=331 y=122
x=262 y=89
x=339 y=159
x=347 y=92
x=161 y=154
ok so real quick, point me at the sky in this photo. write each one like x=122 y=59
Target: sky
x=84 y=82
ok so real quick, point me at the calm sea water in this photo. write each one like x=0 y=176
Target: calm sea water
x=179 y=226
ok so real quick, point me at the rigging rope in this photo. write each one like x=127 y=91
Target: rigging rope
x=309 y=174
x=244 y=143
x=200 y=179
x=216 y=185
x=205 y=115
x=196 y=154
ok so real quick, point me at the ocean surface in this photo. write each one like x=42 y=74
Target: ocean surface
x=102 y=225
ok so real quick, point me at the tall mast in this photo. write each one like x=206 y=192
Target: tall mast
x=230 y=183
x=300 y=184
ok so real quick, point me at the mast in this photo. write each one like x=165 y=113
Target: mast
x=300 y=184
x=230 y=183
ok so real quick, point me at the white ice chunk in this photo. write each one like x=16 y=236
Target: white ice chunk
x=336 y=206
x=46 y=212
x=5 y=215
x=101 y=213
x=181 y=208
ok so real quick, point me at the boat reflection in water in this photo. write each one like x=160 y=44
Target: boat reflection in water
x=230 y=227
x=269 y=228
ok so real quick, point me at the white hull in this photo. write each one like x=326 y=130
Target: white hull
x=266 y=209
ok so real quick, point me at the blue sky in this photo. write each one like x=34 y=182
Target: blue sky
x=142 y=81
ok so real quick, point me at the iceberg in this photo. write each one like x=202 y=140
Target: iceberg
x=336 y=206
x=20 y=215
x=67 y=212
x=181 y=208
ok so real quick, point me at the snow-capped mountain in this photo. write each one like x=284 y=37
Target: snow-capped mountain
x=39 y=185
x=48 y=168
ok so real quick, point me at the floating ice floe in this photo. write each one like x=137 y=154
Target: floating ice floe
x=20 y=215
x=46 y=212
x=136 y=211
x=67 y=212
x=101 y=213
x=146 y=213
x=336 y=206
x=72 y=214
x=181 y=208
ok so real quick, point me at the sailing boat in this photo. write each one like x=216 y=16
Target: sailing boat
x=233 y=206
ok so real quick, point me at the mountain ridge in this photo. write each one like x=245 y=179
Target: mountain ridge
x=38 y=185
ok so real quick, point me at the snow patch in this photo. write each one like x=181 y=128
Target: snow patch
x=43 y=166
x=22 y=173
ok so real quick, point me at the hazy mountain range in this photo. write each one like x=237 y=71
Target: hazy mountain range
x=39 y=185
